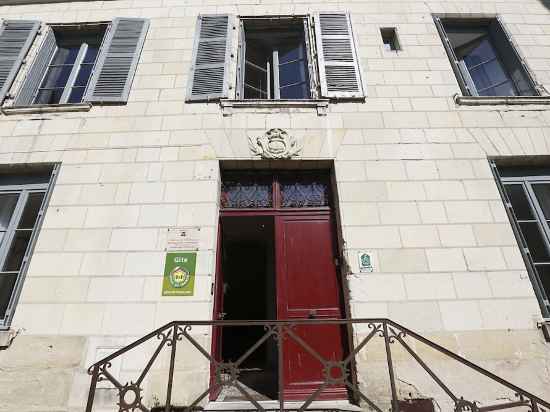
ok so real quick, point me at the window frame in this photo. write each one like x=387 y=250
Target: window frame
x=462 y=74
x=67 y=89
x=543 y=297
x=24 y=191
x=309 y=45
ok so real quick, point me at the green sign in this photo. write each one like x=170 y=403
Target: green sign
x=179 y=274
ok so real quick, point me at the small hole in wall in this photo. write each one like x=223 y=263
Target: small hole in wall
x=389 y=39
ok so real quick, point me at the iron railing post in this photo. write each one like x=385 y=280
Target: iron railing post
x=171 y=370
x=280 y=364
x=395 y=403
x=93 y=384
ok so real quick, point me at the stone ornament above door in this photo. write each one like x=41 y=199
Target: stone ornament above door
x=275 y=144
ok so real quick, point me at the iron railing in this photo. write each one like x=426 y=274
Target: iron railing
x=394 y=342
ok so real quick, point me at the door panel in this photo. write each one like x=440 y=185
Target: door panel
x=308 y=287
x=218 y=308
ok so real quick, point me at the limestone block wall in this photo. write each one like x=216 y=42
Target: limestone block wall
x=414 y=185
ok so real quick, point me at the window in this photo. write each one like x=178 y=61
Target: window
x=274 y=59
x=22 y=201
x=74 y=63
x=484 y=60
x=527 y=190
x=389 y=39
x=70 y=68
x=278 y=58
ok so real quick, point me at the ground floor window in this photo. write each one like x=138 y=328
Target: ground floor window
x=22 y=202
x=527 y=193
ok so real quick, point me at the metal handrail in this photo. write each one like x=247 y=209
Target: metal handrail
x=226 y=373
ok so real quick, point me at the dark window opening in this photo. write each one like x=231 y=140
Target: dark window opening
x=389 y=39
x=274 y=59
x=486 y=62
x=529 y=197
x=70 y=69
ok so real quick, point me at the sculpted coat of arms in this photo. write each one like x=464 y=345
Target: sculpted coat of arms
x=275 y=144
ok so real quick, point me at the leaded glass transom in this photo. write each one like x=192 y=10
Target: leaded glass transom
x=254 y=190
x=246 y=193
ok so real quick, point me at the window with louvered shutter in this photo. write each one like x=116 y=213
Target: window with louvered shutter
x=35 y=75
x=208 y=79
x=16 y=37
x=117 y=62
x=339 y=70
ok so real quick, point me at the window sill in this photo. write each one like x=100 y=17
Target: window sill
x=229 y=105
x=6 y=337
x=501 y=100
x=47 y=108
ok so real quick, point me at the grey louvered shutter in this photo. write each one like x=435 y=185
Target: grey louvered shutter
x=34 y=77
x=117 y=61
x=339 y=71
x=209 y=75
x=16 y=37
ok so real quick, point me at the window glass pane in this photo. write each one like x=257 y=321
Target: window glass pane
x=83 y=75
x=56 y=77
x=290 y=53
x=519 y=201
x=291 y=73
x=544 y=276
x=17 y=251
x=30 y=213
x=7 y=283
x=505 y=89
x=49 y=96
x=535 y=241
x=542 y=193
x=243 y=191
x=65 y=55
x=91 y=54
x=309 y=192
x=76 y=95
x=7 y=205
x=255 y=80
x=298 y=91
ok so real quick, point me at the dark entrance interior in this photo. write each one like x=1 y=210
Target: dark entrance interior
x=248 y=263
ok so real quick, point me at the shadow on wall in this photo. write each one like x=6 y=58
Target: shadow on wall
x=545 y=3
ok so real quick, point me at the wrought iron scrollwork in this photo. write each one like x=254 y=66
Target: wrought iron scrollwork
x=334 y=372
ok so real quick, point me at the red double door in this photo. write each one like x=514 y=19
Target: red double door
x=307 y=287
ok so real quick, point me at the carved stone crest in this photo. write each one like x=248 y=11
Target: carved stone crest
x=275 y=144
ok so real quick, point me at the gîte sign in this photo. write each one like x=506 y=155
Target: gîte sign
x=179 y=274
x=183 y=238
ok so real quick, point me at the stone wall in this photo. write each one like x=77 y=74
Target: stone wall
x=413 y=180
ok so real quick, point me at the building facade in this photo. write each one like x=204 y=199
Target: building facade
x=313 y=159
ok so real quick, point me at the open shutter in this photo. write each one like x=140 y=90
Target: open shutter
x=339 y=71
x=34 y=77
x=16 y=37
x=116 y=65
x=209 y=75
x=461 y=72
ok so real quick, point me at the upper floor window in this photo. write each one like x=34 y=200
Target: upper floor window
x=485 y=61
x=527 y=192
x=22 y=202
x=273 y=59
x=73 y=63
x=277 y=58
x=70 y=68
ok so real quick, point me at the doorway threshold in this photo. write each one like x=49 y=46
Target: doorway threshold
x=336 y=405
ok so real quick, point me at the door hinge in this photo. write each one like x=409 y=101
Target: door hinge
x=337 y=261
x=212 y=289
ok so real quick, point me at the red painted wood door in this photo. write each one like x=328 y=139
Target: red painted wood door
x=308 y=286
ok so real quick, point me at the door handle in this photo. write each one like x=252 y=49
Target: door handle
x=312 y=314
